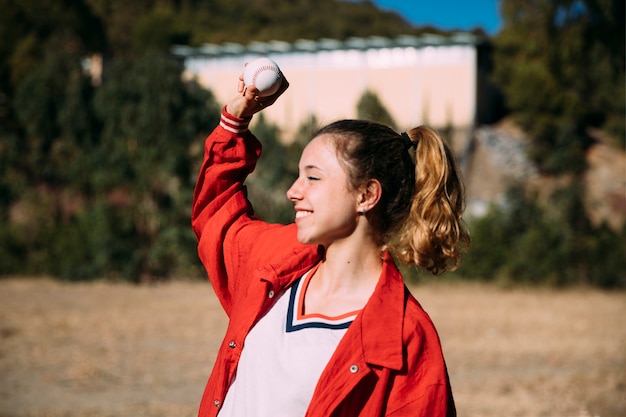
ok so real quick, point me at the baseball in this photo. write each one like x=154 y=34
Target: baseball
x=264 y=74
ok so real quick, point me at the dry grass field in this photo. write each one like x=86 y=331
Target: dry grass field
x=110 y=349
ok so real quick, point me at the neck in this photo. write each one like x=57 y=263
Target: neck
x=349 y=268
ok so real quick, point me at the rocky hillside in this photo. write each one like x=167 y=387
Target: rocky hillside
x=496 y=159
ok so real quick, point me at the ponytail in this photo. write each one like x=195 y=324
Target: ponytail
x=433 y=236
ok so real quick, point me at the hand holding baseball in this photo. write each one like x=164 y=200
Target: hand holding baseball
x=264 y=74
x=260 y=85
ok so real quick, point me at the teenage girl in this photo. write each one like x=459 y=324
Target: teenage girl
x=320 y=320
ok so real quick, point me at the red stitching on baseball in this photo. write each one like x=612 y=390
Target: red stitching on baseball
x=261 y=69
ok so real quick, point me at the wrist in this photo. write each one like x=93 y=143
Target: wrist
x=234 y=123
x=239 y=109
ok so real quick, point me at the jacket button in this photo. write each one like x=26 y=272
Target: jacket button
x=217 y=403
x=232 y=344
x=270 y=294
x=354 y=369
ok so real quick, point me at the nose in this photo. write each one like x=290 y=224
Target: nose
x=294 y=193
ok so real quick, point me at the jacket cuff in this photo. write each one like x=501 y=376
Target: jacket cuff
x=234 y=124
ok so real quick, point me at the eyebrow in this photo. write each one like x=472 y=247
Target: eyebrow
x=312 y=167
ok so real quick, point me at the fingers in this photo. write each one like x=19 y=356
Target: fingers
x=248 y=101
x=245 y=103
x=251 y=92
x=284 y=85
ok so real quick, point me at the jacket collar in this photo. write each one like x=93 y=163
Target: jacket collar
x=292 y=264
x=381 y=320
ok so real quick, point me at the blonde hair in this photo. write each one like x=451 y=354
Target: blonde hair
x=433 y=236
x=419 y=215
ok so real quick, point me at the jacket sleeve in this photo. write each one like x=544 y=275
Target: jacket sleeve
x=220 y=206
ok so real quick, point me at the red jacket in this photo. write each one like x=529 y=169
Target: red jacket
x=388 y=364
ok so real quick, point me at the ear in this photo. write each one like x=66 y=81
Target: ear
x=369 y=195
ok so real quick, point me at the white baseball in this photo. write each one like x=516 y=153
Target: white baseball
x=264 y=74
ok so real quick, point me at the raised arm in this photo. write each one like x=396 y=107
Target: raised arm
x=220 y=202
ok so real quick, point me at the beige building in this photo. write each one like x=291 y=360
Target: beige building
x=428 y=79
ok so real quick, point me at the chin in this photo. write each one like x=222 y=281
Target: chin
x=307 y=240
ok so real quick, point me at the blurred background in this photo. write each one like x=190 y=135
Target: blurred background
x=104 y=108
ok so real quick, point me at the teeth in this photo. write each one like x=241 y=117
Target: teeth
x=300 y=214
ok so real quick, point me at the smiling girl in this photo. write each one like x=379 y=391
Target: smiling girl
x=320 y=320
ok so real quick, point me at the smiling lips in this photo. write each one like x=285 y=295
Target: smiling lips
x=302 y=213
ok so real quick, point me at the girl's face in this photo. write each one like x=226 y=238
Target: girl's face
x=326 y=206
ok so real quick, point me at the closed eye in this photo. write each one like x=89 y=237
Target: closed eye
x=309 y=172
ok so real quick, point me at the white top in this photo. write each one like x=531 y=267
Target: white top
x=283 y=357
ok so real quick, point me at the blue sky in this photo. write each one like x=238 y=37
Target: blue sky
x=448 y=14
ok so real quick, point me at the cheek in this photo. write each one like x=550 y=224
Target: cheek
x=341 y=213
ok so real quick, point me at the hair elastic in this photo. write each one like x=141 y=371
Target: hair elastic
x=408 y=143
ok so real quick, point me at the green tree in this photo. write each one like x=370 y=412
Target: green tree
x=151 y=122
x=100 y=182
x=46 y=164
x=371 y=108
x=561 y=66
x=528 y=242
x=53 y=103
x=30 y=30
x=159 y=29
